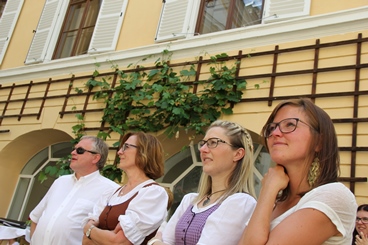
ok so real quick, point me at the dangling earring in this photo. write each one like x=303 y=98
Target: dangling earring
x=313 y=172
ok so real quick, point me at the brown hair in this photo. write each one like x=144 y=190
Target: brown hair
x=150 y=154
x=323 y=137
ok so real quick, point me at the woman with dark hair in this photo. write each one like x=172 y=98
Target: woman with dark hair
x=136 y=210
x=360 y=235
x=300 y=201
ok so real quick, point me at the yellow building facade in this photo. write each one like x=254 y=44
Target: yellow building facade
x=50 y=48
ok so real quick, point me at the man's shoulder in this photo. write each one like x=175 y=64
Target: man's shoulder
x=106 y=181
x=64 y=177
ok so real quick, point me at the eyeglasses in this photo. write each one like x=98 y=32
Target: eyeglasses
x=286 y=126
x=211 y=143
x=127 y=146
x=363 y=220
x=81 y=151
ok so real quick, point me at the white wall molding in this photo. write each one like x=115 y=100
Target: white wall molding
x=348 y=21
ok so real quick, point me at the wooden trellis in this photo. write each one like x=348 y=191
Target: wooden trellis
x=9 y=96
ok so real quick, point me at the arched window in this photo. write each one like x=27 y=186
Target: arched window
x=29 y=190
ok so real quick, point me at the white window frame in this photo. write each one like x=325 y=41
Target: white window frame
x=8 y=21
x=178 y=17
x=48 y=30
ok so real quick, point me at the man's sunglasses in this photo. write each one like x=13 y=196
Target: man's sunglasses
x=81 y=151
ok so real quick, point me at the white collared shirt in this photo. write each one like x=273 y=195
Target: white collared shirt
x=60 y=213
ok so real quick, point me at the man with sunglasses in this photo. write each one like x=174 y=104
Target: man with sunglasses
x=57 y=219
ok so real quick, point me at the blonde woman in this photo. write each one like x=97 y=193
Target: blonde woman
x=225 y=200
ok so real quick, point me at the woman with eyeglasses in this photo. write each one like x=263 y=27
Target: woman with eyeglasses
x=136 y=210
x=301 y=201
x=219 y=212
x=360 y=235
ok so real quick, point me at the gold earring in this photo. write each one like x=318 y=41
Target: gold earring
x=313 y=172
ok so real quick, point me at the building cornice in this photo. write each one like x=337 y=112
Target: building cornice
x=313 y=27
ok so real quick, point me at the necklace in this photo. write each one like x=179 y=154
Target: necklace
x=121 y=192
x=208 y=197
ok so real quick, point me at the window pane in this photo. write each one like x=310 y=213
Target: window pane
x=186 y=185
x=36 y=162
x=2 y=6
x=246 y=13
x=37 y=192
x=61 y=150
x=218 y=15
x=84 y=41
x=18 y=199
x=214 y=16
x=92 y=13
x=74 y=18
x=66 y=42
x=78 y=28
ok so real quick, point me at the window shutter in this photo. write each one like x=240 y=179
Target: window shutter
x=7 y=24
x=44 y=31
x=277 y=10
x=108 y=26
x=177 y=20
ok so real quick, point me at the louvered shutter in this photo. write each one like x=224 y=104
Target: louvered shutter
x=177 y=20
x=44 y=31
x=108 y=26
x=7 y=24
x=276 y=10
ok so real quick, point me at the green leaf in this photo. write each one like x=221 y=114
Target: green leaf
x=95 y=73
x=42 y=177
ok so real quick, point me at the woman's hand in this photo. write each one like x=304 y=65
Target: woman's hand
x=157 y=240
x=89 y=223
x=87 y=241
x=275 y=178
x=361 y=239
x=118 y=228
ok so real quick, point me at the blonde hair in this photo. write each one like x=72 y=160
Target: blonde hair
x=241 y=179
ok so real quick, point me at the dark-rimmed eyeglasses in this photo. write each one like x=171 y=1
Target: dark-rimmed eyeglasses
x=81 y=151
x=364 y=220
x=127 y=146
x=286 y=126
x=211 y=143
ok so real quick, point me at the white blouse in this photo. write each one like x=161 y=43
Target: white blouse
x=226 y=223
x=337 y=202
x=144 y=214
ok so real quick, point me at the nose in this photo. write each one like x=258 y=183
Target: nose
x=204 y=148
x=276 y=131
x=120 y=151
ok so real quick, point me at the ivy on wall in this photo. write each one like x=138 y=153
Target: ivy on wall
x=161 y=99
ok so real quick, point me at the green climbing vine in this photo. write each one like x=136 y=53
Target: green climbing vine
x=161 y=98
x=164 y=99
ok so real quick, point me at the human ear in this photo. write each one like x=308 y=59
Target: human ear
x=239 y=154
x=96 y=158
